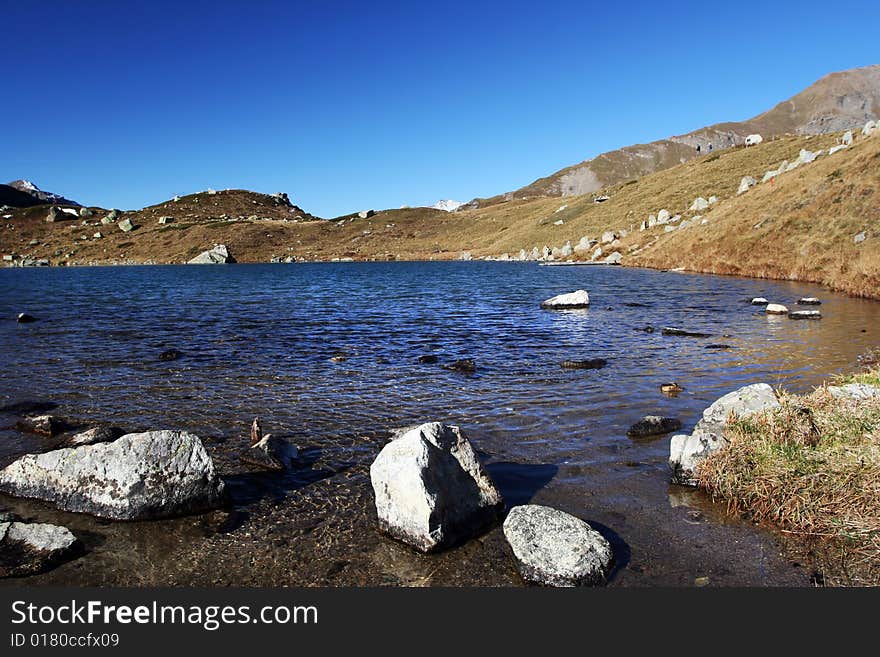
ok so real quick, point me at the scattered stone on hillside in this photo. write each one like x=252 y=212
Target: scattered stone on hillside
x=101 y=434
x=670 y=228
x=600 y=199
x=860 y=237
x=24 y=318
x=699 y=204
x=847 y=138
x=560 y=209
x=583 y=245
x=166 y=220
x=28 y=548
x=670 y=330
x=809 y=301
x=870 y=128
x=99 y=235
x=554 y=548
x=745 y=184
x=643 y=226
x=608 y=236
x=430 y=489
x=613 y=258
x=272 y=452
x=835 y=149
x=759 y=301
x=686 y=451
x=775 y=172
x=854 y=391
x=597 y=253
x=217 y=255
x=148 y=475
x=566 y=250
x=558 y=222
x=106 y=221
x=113 y=215
x=535 y=254
x=652 y=221
x=687 y=223
x=465 y=255
x=46 y=425
x=713 y=200
x=588 y=364
x=653 y=425
x=126 y=226
x=55 y=214
x=463 y=365
x=805 y=314
x=663 y=217
x=85 y=212
x=806 y=156
x=211 y=192
x=366 y=214
x=776 y=309
x=577 y=299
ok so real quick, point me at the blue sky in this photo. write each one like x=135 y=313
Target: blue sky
x=352 y=105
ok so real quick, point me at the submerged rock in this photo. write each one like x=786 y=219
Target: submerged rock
x=708 y=436
x=431 y=491
x=668 y=330
x=217 y=255
x=589 y=364
x=24 y=318
x=155 y=474
x=464 y=365
x=29 y=548
x=578 y=299
x=272 y=453
x=170 y=354
x=809 y=301
x=428 y=359
x=555 y=548
x=653 y=425
x=672 y=389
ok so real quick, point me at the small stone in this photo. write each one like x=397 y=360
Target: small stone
x=464 y=365
x=94 y=435
x=170 y=354
x=46 y=425
x=428 y=359
x=808 y=301
x=589 y=364
x=30 y=548
x=669 y=330
x=653 y=425
x=805 y=314
x=24 y=318
x=776 y=309
x=759 y=301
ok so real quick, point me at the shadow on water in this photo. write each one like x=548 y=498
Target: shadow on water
x=519 y=482
x=619 y=547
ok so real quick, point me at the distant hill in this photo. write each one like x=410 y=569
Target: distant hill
x=28 y=194
x=838 y=101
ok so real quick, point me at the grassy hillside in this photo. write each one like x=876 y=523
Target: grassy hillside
x=805 y=223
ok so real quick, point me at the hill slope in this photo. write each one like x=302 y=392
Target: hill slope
x=838 y=101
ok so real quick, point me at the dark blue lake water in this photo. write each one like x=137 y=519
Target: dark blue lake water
x=257 y=340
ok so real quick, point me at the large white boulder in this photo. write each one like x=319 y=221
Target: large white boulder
x=746 y=183
x=708 y=435
x=776 y=309
x=578 y=299
x=554 y=548
x=217 y=255
x=431 y=491
x=663 y=217
x=155 y=474
x=27 y=548
x=854 y=391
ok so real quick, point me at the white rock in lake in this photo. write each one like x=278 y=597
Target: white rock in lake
x=708 y=435
x=759 y=301
x=554 y=548
x=577 y=299
x=217 y=255
x=27 y=548
x=776 y=309
x=431 y=491
x=155 y=474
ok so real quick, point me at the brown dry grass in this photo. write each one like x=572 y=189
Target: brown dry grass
x=811 y=467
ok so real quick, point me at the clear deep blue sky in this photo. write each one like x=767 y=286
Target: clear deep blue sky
x=350 y=105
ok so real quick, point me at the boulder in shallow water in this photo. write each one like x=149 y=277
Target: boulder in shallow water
x=94 y=435
x=759 y=301
x=46 y=425
x=139 y=476
x=431 y=491
x=708 y=436
x=24 y=318
x=805 y=314
x=218 y=255
x=653 y=425
x=464 y=365
x=588 y=364
x=683 y=333
x=555 y=548
x=809 y=301
x=272 y=452
x=776 y=309
x=28 y=548
x=577 y=299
